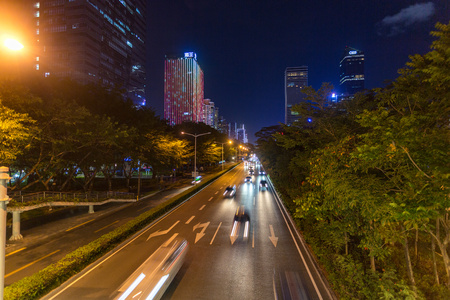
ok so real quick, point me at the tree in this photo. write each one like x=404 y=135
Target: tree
x=16 y=132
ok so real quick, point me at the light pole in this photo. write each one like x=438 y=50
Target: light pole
x=4 y=177
x=229 y=142
x=12 y=45
x=195 y=147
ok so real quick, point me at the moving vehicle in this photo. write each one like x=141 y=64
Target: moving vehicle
x=241 y=225
x=197 y=179
x=151 y=279
x=263 y=185
x=248 y=179
x=288 y=285
x=230 y=191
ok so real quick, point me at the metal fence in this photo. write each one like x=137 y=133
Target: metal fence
x=61 y=196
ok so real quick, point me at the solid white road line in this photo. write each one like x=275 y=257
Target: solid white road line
x=215 y=234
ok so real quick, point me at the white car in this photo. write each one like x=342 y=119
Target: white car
x=151 y=279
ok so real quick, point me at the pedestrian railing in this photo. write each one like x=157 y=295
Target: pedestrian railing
x=64 y=196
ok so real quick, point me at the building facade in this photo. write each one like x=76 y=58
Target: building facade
x=183 y=89
x=209 y=113
x=295 y=80
x=351 y=75
x=92 y=42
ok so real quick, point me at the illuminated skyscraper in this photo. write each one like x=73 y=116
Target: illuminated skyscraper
x=93 y=41
x=295 y=79
x=183 y=89
x=351 y=74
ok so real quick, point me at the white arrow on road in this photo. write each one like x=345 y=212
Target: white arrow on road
x=201 y=234
x=272 y=236
x=162 y=232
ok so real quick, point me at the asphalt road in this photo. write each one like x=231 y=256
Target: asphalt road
x=217 y=266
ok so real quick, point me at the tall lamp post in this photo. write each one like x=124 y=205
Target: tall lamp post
x=229 y=142
x=195 y=147
x=12 y=45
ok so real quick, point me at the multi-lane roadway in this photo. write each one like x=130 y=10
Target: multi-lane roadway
x=218 y=265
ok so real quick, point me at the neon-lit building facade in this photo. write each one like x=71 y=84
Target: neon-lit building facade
x=295 y=79
x=351 y=74
x=92 y=41
x=183 y=89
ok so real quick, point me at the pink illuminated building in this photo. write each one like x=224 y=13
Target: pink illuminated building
x=183 y=89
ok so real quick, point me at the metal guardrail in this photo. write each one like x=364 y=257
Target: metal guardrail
x=64 y=196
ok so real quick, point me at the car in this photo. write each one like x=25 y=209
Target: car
x=241 y=217
x=263 y=185
x=230 y=191
x=151 y=279
x=248 y=179
x=261 y=172
x=251 y=172
x=197 y=179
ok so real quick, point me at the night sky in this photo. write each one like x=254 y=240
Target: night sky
x=244 y=46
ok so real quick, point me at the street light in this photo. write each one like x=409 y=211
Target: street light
x=12 y=44
x=195 y=147
x=229 y=142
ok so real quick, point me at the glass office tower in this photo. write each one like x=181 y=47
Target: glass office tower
x=295 y=79
x=183 y=89
x=351 y=74
x=93 y=41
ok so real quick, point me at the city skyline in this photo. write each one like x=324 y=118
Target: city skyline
x=244 y=47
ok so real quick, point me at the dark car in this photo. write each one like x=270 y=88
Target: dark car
x=248 y=179
x=230 y=191
x=261 y=172
x=263 y=185
x=251 y=172
x=241 y=225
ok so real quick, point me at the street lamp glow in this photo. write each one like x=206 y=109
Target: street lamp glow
x=12 y=44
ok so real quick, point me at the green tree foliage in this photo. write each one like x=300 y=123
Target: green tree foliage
x=372 y=170
x=16 y=131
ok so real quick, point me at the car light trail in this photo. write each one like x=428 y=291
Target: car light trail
x=132 y=286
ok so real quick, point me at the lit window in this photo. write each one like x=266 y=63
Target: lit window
x=37 y=31
x=37 y=4
x=36 y=66
x=37 y=58
x=36 y=14
x=46 y=74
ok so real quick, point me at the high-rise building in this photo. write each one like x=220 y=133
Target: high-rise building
x=295 y=80
x=351 y=74
x=92 y=42
x=208 y=112
x=183 y=89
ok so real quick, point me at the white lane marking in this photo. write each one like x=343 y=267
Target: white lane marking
x=202 y=207
x=216 y=193
x=198 y=236
x=272 y=236
x=190 y=219
x=167 y=243
x=215 y=234
x=162 y=232
x=210 y=198
x=254 y=200
x=253 y=238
